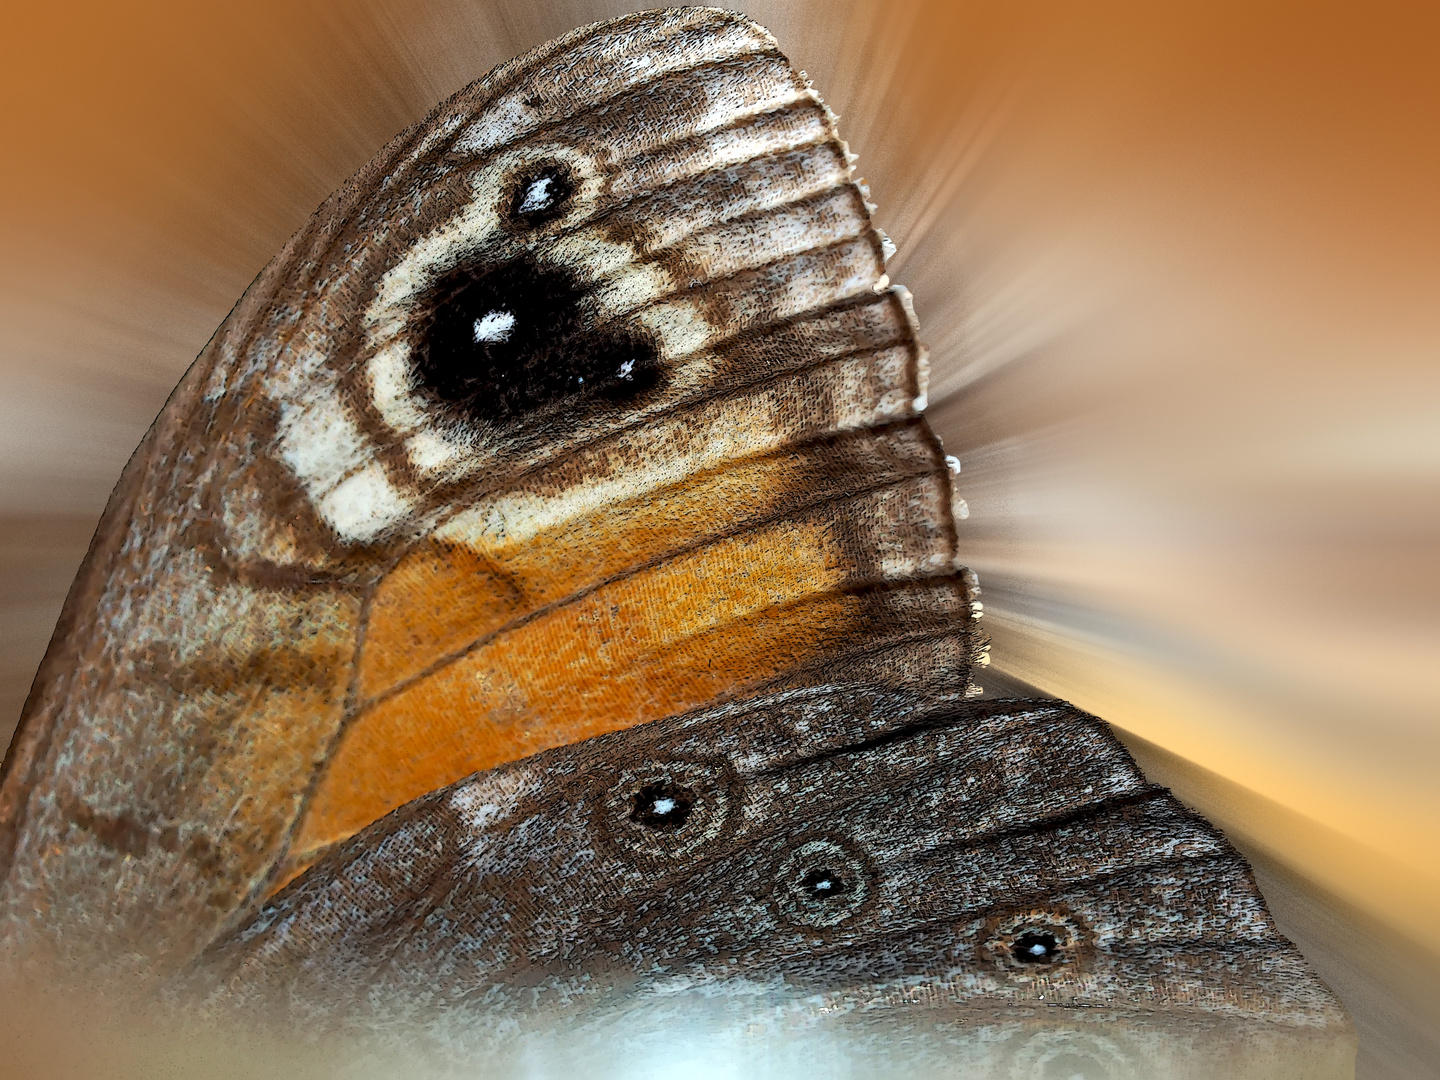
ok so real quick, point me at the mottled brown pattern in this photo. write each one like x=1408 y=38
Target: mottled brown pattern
x=532 y=903
x=205 y=677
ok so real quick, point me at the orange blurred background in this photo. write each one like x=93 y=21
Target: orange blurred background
x=1179 y=267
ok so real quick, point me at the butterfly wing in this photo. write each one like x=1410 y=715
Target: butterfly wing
x=585 y=403
x=798 y=867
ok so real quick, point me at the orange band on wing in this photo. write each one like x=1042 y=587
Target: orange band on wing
x=445 y=596
x=669 y=638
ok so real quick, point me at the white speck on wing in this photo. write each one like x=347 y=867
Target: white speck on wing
x=537 y=196
x=494 y=326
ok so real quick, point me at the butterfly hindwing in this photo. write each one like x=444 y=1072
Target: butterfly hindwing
x=781 y=864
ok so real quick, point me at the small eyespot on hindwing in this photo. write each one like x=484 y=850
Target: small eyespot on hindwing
x=668 y=808
x=1035 y=947
x=663 y=805
x=1035 y=940
x=822 y=883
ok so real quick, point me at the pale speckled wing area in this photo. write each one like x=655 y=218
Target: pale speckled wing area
x=796 y=867
x=587 y=402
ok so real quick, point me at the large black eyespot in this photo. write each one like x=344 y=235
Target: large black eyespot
x=541 y=195
x=822 y=883
x=668 y=808
x=497 y=341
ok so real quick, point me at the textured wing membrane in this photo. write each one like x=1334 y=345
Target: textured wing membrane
x=958 y=839
x=641 y=644
x=321 y=590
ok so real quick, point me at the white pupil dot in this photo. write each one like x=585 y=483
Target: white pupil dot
x=537 y=196
x=627 y=367
x=1038 y=950
x=494 y=326
x=663 y=806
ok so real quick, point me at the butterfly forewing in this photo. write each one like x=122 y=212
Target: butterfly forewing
x=585 y=403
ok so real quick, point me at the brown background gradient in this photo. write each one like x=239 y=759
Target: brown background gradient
x=1179 y=267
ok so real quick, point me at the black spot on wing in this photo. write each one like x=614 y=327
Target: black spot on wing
x=667 y=809
x=541 y=195
x=662 y=805
x=822 y=883
x=1027 y=940
x=1035 y=947
x=500 y=340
